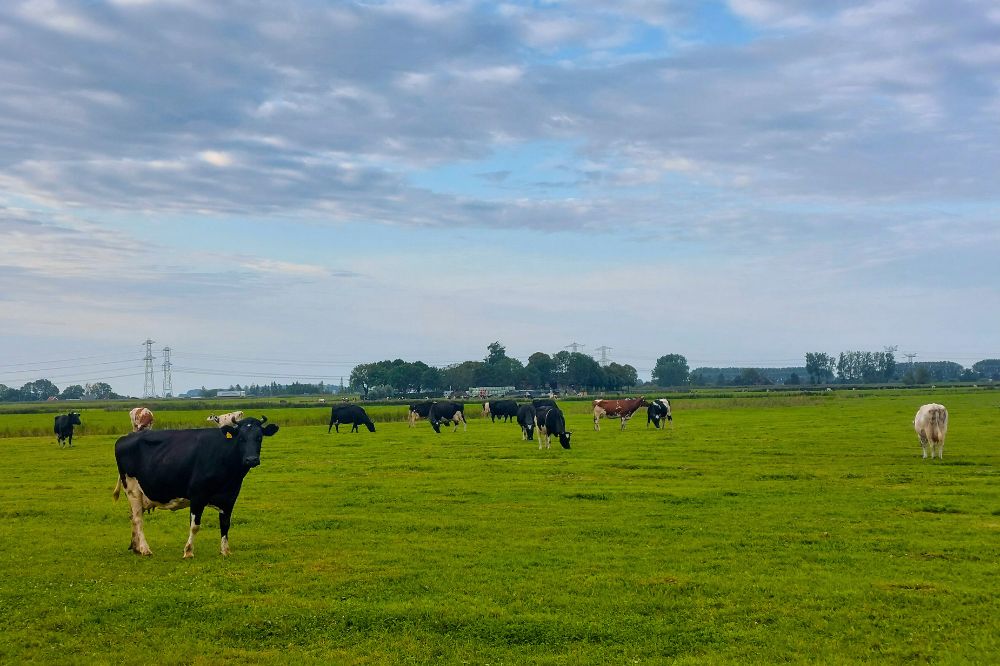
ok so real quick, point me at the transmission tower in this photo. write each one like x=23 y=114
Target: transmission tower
x=604 y=349
x=909 y=359
x=149 y=388
x=575 y=346
x=168 y=382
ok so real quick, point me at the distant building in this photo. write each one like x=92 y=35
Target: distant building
x=231 y=394
x=489 y=391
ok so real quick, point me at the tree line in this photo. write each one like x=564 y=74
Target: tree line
x=43 y=389
x=543 y=371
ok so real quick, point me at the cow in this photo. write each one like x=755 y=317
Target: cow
x=623 y=409
x=141 y=417
x=543 y=402
x=526 y=419
x=349 y=414
x=63 y=427
x=231 y=419
x=931 y=424
x=418 y=410
x=550 y=421
x=173 y=469
x=500 y=409
x=657 y=411
x=447 y=412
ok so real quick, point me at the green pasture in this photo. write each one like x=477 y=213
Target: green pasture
x=757 y=529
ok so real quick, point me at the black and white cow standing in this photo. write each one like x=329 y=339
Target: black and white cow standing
x=349 y=415
x=550 y=421
x=173 y=469
x=63 y=427
x=447 y=412
x=657 y=411
x=526 y=419
x=500 y=409
x=418 y=410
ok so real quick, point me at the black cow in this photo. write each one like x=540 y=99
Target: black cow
x=349 y=414
x=543 y=402
x=526 y=419
x=447 y=412
x=172 y=469
x=63 y=427
x=657 y=411
x=502 y=409
x=419 y=410
x=550 y=421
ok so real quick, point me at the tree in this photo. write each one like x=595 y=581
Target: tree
x=820 y=366
x=40 y=389
x=497 y=353
x=750 y=377
x=540 y=368
x=73 y=392
x=671 y=370
x=101 y=391
x=617 y=377
x=793 y=379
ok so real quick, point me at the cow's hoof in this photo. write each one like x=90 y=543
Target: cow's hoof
x=188 y=555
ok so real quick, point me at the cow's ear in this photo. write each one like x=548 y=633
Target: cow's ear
x=229 y=430
x=269 y=429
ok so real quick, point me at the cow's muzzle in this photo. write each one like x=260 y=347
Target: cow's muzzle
x=252 y=461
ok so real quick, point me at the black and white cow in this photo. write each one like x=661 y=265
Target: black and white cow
x=63 y=427
x=501 y=409
x=349 y=414
x=550 y=421
x=418 y=410
x=657 y=411
x=526 y=419
x=543 y=402
x=173 y=469
x=447 y=412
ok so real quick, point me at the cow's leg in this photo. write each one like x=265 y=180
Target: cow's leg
x=624 y=419
x=224 y=518
x=354 y=428
x=70 y=439
x=598 y=413
x=135 y=497
x=924 y=444
x=196 y=513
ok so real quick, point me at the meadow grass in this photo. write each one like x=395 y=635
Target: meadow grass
x=790 y=530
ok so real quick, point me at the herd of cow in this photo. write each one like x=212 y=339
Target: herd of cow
x=201 y=467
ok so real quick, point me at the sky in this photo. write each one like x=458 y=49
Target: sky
x=281 y=191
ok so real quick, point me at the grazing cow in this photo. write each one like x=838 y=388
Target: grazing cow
x=526 y=419
x=447 y=412
x=230 y=419
x=931 y=424
x=142 y=418
x=623 y=409
x=550 y=421
x=63 y=427
x=349 y=414
x=173 y=469
x=543 y=402
x=501 y=409
x=419 y=410
x=657 y=411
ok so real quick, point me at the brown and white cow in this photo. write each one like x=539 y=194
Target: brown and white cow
x=931 y=424
x=623 y=409
x=142 y=418
x=230 y=419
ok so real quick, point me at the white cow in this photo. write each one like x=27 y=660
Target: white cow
x=931 y=424
x=230 y=419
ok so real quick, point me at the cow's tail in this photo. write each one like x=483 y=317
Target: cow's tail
x=118 y=489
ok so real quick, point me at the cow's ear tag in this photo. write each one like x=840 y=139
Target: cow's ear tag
x=229 y=435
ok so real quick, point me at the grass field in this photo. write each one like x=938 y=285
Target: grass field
x=754 y=530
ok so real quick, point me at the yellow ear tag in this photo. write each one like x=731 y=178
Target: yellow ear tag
x=229 y=435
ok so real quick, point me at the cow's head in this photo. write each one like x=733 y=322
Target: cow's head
x=213 y=418
x=436 y=424
x=370 y=425
x=74 y=418
x=564 y=439
x=249 y=434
